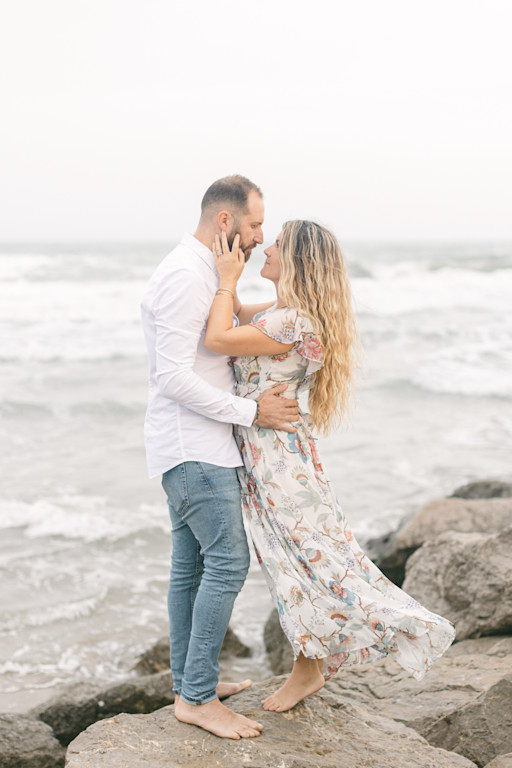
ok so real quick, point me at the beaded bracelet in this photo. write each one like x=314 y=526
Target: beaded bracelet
x=257 y=413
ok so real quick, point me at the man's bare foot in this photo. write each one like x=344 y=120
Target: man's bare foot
x=217 y=719
x=229 y=689
x=305 y=679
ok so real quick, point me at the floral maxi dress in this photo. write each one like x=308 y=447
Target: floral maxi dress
x=333 y=602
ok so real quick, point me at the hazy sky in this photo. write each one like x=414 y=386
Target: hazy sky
x=386 y=120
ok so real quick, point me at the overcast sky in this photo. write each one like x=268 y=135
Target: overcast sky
x=387 y=120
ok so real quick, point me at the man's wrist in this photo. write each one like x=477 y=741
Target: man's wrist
x=257 y=414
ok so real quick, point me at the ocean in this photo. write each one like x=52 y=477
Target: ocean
x=84 y=551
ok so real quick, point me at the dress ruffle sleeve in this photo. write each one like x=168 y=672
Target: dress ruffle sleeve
x=289 y=326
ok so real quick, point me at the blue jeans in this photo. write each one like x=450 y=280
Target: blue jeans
x=210 y=560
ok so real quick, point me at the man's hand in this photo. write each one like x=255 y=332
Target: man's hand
x=277 y=412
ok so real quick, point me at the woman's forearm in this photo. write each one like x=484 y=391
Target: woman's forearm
x=220 y=319
x=237 y=305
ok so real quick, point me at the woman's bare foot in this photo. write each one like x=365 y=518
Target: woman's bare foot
x=217 y=719
x=229 y=689
x=305 y=679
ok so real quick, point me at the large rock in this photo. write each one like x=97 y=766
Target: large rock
x=322 y=732
x=156 y=659
x=466 y=577
x=465 y=671
x=392 y=551
x=80 y=705
x=277 y=645
x=484 y=489
x=233 y=646
x=480 y=730
x=28 y=743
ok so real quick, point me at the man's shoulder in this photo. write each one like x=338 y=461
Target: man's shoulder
x=182 y=269
x=181 y=259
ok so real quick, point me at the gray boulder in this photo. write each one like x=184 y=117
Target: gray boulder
x=28 y=743
x=466 y=577
x=322 y=732
x=480 y=730
x=467 y=670
x=80 y=705
x=392 y=551
x=155 y=659
x=277 y=645
x=233 y=646
x=484 y=489
x=502 y=761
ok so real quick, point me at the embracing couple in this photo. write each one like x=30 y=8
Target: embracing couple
x=225 y=431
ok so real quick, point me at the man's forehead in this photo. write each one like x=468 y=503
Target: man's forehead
x=256 y=208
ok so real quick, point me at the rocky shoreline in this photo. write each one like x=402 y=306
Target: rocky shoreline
x=454 y=555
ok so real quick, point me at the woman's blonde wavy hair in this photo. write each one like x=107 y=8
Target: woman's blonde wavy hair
x=314 y=281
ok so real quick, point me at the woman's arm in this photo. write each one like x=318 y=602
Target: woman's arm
x=221 y=337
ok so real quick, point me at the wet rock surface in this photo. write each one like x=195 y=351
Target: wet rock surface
x=323 y=731
x=28 y=743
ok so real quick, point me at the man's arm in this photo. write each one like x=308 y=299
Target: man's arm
x=180 y=311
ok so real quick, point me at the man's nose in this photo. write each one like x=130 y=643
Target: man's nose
x=258 y=237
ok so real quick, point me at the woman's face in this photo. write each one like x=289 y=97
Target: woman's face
x=272 y=268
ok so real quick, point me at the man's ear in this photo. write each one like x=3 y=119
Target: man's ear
x=224 y=220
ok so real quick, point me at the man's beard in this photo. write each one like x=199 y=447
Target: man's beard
x=247 y=250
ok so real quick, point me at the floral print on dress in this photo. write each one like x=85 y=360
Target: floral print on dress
x=333 y=602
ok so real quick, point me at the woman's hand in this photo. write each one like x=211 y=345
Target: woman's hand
x=230 y=264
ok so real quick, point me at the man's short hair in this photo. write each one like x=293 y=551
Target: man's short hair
x=231 y=193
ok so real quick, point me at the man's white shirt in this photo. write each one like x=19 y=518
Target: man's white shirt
x=192 y=405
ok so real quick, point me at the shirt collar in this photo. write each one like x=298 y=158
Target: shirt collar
x=204 y=253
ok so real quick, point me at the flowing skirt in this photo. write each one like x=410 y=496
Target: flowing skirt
x=333 y=602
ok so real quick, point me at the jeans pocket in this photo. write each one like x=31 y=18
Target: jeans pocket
x=218 y=481
x=174 y=483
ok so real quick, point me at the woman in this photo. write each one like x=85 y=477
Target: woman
x=335 y=606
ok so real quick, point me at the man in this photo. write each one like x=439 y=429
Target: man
x=189 y=440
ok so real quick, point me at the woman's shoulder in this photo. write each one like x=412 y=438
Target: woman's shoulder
x=285 y=324
x=286 y=314
x=264 y=312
